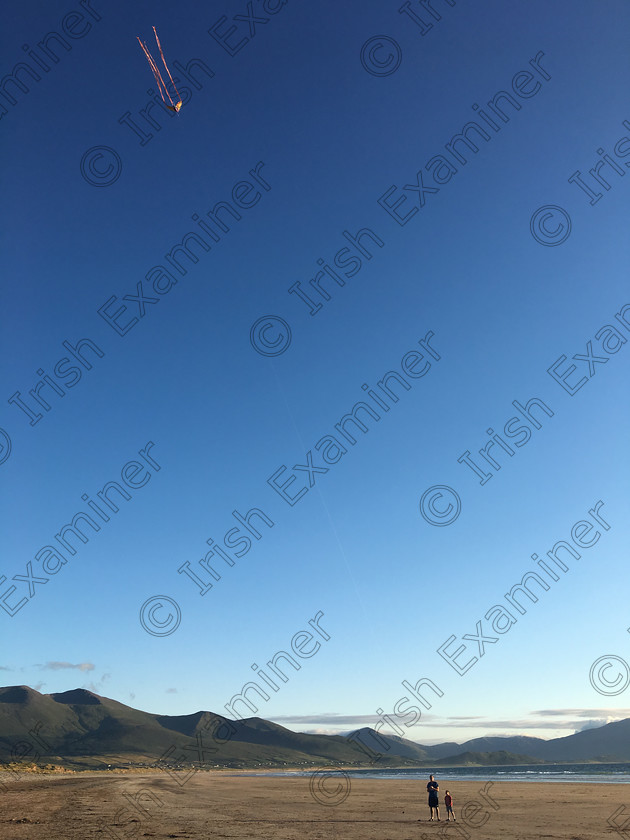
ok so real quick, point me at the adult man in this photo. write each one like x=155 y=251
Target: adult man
x=434 y=802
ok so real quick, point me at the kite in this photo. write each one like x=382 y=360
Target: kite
x=167 y=99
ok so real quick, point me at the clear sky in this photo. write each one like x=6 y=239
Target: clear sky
x=303 y=122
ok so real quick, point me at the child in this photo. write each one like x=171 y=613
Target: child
x=448 y=801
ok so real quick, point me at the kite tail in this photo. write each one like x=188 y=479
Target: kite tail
x=166 y=65
x=156 y=72
x=163 y=89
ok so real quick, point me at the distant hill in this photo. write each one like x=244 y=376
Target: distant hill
x=486 y=759
x=81 y=729
x=605 y=743
x=376 y=742
x=520 y=744
x=476 y=751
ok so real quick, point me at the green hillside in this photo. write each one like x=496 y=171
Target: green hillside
x=79 y=729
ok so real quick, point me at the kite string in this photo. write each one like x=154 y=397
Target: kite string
x=321 y=498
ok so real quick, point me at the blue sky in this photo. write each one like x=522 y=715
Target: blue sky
x=326 y=136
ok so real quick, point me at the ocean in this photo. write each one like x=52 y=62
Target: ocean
x=583 y=773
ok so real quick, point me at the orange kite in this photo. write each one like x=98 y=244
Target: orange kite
x=167 y=99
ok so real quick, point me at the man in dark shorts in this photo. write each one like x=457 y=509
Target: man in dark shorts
x=434 y=802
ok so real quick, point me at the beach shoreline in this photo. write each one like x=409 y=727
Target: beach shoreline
x=323 y=804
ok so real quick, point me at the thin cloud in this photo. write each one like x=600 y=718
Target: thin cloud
x=329 y=719
x=4 y=668
x=62 y=666
x=171 y=691
x=96 y=687
x=329 y=723
x=502 y=728
x=589 y=713
x=525 y=725
x=595 y=723
x=321 y=731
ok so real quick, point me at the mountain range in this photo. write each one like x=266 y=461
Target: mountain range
x=80 y=729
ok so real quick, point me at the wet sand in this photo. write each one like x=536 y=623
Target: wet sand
x=208 y=805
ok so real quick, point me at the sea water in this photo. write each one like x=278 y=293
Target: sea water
x=584 y=773
x=592 y=773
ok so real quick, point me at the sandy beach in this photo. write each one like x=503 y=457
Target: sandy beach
x=118 y=805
